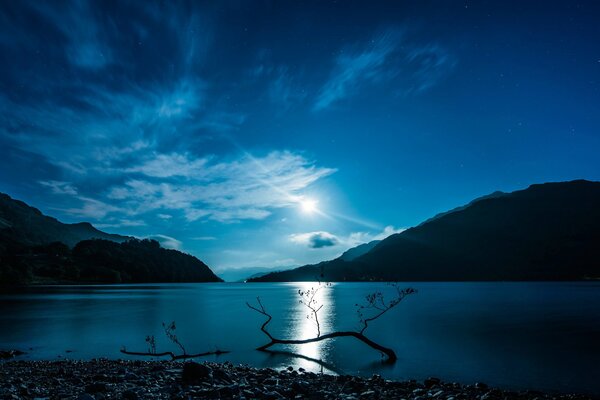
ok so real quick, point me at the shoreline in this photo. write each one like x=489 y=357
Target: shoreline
x=135 y=379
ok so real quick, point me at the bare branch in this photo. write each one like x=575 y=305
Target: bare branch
x=169 y=332
x=308 y=299
x=263 y=312
x=377 y=301
x=173 y=355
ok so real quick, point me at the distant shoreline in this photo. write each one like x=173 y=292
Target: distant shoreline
x=62 y=284
x=100 y=378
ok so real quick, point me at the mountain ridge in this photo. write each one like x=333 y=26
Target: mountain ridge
x=29 y=225
x=547 y=231
x=39 y=249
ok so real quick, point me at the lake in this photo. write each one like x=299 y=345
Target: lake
x=513 y=335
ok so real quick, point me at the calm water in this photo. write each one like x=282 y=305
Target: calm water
x=513 y=335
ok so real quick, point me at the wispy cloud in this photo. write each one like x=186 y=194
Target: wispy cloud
x=356 y=238
x=92 y=209
x=167 y=165
x=166 y=241
x=284 y=86
x=59 y=187
x=120 y=223
x=244 y=188
x=86 y=37
x=203 y=238
x=387 y=57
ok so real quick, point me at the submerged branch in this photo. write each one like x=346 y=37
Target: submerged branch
x=390 y=354
x=173 y=355
x=375 y=301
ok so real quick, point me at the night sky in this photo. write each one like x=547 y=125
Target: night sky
x=280 y=133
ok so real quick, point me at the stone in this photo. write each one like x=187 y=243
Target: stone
x=193 y=372
x=130 y=394
x=96 y=387
x=300 y=386
x=429 y=382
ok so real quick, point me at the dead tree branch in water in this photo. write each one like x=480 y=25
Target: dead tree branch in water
x=375 y=301
x=307 y=298
x=170 y=333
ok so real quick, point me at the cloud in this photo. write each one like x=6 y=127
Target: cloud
x=388 y=231
x=167 y=165
x=283 y=84
x=356 y=238
x=388 y=57
x=132 y=136
x=86 y=37
x=203 y=238
x=315 y=240
x=92 y=208
x=167 y=242
x=59 y=187
x=321 y=239
x=245 y=188
x=120 y=223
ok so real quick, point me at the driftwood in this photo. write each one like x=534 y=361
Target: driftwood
x=170 y=333
x=173 y=355
x=375 y=301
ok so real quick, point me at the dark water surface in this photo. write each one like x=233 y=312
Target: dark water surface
x=514 y=335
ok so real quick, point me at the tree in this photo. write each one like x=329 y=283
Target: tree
x=374 y=307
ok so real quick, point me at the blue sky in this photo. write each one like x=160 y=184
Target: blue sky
x=281 y=133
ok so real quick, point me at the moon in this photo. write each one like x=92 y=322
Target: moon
x=308 y=206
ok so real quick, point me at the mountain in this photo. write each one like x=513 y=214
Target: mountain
x=546 y=232
x=35 y=249
x=28 y=225
x=255 y=274
x=358 y=251
x=245 y=273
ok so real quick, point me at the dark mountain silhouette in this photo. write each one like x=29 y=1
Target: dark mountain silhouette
x=546 y=232
x=245 y=273
x=358 y=251
x=28 y=225
x=35 y=248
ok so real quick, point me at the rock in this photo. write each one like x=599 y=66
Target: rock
x=221 y=374
x=5 y=354
x=193 y=372
x=271 y=382
x=130 y=376
x=96 y=387
x=429 y=382
x=130 y=395
x=301 y=386
x=162 y=380
x=271 y=395
x=290 y=368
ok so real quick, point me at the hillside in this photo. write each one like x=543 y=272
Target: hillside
x=546 y=232
x=37 y=249
x=359 y=250
x=27 y=225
